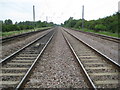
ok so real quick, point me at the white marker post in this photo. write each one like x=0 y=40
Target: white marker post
x=83 y=17
x=34 y=16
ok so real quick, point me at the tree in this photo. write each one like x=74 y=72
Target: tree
x=8 y=22
x=78 y=24
x=109 y=23
x=9 y=26
x=70 y=22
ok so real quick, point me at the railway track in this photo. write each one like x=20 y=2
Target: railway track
x=100 y=71
x=17 y=67
x=6 y=39
x=57 y=67
x=114 y=39
x=12 y=45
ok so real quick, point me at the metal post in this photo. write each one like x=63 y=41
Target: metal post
x=83 y=17
x=46 y=19
x=34 y=16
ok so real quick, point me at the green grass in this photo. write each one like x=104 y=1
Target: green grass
x=101 y=32
x=11 y=33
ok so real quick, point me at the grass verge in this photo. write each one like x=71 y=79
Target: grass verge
x=11 y=33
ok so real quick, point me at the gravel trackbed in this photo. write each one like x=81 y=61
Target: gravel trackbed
x=57 y=68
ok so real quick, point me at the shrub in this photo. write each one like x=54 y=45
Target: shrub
x=100 y=27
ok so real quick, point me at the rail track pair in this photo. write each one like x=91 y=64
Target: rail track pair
x=17 y=67
x=99 y=70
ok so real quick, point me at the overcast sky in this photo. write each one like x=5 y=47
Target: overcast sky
x=56 y=11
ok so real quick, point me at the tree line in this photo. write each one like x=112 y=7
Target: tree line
x=8 y=25
x=109 y=23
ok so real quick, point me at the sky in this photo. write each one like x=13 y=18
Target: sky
x=56 y=11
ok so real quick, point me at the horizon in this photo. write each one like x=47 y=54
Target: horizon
x=60 y=23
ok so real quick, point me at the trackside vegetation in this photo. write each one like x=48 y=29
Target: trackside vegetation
x=11 y=33
x=9 y=29
x=8 y=25
x=109 y=25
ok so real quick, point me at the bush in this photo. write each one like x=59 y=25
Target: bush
x=7 y=28
x=78 y=24
x=100 y=27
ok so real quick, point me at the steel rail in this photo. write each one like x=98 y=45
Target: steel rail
x=80 y=63
x=22 y=82
x=13 y=54
x=109 y=59
x=110 y=38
